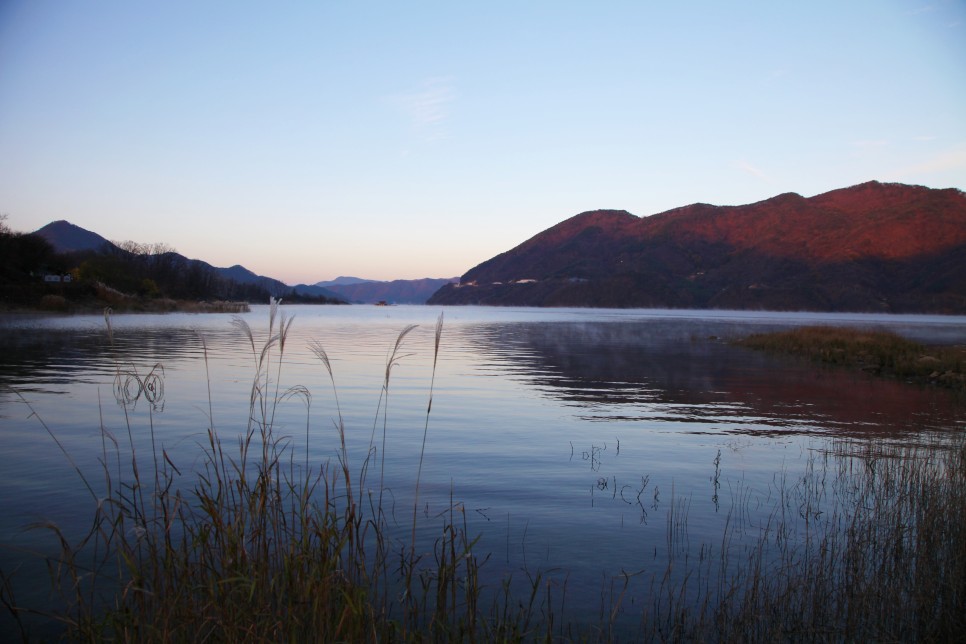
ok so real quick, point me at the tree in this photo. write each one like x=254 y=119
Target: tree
x=23 y=256
x=136 y=248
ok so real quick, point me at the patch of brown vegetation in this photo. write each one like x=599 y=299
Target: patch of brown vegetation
x=876 y=352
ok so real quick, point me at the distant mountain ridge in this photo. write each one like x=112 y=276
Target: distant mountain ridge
x=341 y=280
x=277 y=288
x=870 y=247
x=66 y=237
x=394 y=292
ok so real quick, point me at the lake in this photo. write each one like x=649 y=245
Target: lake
x=581 y=444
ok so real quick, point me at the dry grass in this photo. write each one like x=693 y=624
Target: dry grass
x=868 y=544
x=878 y=352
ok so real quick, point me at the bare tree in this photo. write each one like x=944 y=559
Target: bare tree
x=136 y=248
x=160 y=248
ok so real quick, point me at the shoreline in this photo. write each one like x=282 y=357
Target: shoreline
x=138 y=306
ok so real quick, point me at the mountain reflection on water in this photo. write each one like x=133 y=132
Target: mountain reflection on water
x=688 y=372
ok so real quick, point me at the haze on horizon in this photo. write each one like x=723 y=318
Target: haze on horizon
x=389 y=140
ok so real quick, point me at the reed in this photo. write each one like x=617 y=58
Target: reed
x=868 y=542
x=254 y=546
x=878 y=352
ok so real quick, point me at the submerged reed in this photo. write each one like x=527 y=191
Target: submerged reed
x=867 y=543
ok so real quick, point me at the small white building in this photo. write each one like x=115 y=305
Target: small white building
x=57 y=278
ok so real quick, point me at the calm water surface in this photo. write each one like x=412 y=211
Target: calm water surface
x=566 y=435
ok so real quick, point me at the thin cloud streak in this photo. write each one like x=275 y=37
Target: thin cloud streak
x=952 y=159
x=754 y=171
x=870 y=143
x=428 y=108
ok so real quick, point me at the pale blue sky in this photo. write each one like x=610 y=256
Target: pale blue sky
x=388 y=140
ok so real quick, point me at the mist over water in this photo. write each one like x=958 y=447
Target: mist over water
x=573 y=441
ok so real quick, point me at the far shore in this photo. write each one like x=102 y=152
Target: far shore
x=134 y=305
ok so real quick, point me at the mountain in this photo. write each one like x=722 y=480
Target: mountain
x=180 y=276
x=65 y=237
x=363 y=291
x=870 y=247
x=397 y=291
x=275 y=288
x=343 y=279
x=314 y=290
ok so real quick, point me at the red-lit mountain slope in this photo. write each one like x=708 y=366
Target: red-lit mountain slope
x=871 y=247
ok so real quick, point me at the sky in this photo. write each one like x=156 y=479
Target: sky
x=401 y=140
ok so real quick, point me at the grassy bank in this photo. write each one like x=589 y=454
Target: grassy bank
x=93 y=298
x=877 y=352
x=257 y=544
x=103 y=295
